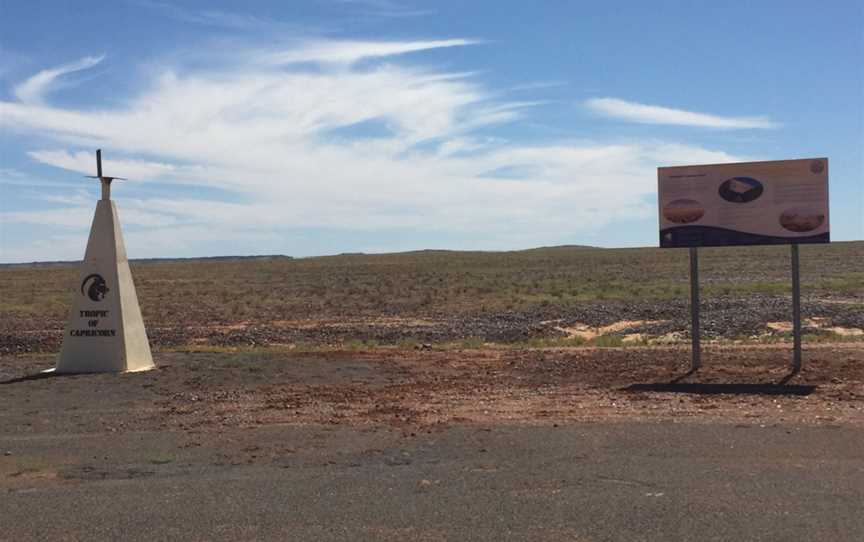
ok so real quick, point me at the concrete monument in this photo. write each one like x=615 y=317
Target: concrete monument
x=105 y=332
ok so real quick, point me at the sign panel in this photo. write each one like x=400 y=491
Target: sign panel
x=748 y=203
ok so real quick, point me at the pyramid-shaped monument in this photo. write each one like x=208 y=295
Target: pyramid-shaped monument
x=105 y=331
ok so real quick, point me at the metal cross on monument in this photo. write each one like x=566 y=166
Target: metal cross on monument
x=106 y=181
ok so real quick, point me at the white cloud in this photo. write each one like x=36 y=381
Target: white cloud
x=11 y=177
x=654 y=114
x=80 y=216
x=347 y=52
x=33 y=90
x=59 y=247
x=208 y=17
x=384 y=8
x=85 y=162
x=12 y=174
x=67 y=217
x=265 y=135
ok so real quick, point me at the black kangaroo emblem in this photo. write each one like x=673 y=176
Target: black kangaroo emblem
x=97 y=289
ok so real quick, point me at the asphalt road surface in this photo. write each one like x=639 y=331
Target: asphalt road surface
x=582 y=481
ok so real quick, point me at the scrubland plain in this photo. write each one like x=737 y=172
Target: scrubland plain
x=547 y=296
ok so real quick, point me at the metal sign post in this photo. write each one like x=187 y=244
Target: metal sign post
x=696 y=349
x=796 y=311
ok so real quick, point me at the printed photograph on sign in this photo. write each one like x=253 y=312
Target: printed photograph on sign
x=801 y=219
x=683 y=211
x=741 y=190
x=749 y=203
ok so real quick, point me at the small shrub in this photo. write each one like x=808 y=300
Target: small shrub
x=607 y=341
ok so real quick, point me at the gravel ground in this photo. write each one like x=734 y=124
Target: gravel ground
x=721 y=318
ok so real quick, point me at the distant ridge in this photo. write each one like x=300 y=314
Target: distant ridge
x=420 y=252
x=564 y=247
x=159 y=260
x=445 y=251
x=270 y=257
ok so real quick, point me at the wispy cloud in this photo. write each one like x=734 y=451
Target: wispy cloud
x=654 y=114
x=347 y=52
x=6 y=173
x=84 y=162
x=263 y=135
x=536 y=85
x=385 y=8
x=33 y=90
x=12 y=177
x=208 y=17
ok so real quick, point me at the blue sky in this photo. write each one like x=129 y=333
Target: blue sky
x=319 y=127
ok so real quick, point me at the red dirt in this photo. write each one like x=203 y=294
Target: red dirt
x=421 y=388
